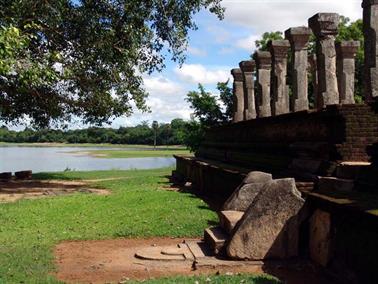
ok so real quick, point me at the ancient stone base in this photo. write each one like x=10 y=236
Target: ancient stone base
x=269 y=228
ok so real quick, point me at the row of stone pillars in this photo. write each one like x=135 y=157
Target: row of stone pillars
x=332 y=68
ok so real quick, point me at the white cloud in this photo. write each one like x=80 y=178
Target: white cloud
x=274 y=15
x=197 y=73
x=161 y=85
x=247 y=43
x=196 y=51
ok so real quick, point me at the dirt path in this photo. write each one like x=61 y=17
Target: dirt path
x=114 y=261
x=14 y=190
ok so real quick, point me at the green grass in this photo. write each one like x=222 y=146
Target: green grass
x=29 y=229
x=136 y=154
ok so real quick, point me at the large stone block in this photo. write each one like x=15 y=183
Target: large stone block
x=269 y=228
x=244 y=195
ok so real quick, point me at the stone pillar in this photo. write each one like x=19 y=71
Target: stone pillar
x=238 y=91
x=279 y=90
x=325 y=28
x=263 y=62
x=346 y=53
x=299 y=38
x=248 y=67
x=370 y=28
x=314 y=74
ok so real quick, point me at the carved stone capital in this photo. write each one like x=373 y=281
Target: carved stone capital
x=263 y=60
x=367 y=3
x=237 y=74
x=298 y=37
x=279 y=48
x=347 y=49
x=324 y=24
x=247 y=66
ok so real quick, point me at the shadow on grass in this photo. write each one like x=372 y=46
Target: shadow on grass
x=59 y=175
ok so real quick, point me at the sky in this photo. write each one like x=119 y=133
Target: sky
x=218 y=46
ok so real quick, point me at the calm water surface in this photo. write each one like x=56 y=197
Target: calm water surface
x=53 y=159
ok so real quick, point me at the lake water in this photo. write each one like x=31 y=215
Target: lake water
x=53 y=159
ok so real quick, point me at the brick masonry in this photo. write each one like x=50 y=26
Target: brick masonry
x=338 y=133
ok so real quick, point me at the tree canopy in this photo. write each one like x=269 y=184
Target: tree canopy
x=85 y=58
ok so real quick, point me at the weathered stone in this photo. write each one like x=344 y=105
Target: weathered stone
x=257 y=177
x=299 y=38
x=228 y=219
x=370 y=29
x=6 y=176
x=332 y=184
x=23 y=174
x=215 y=238
x=346 y=53
x=313 y=68
x=325 y=28
x=269 y=228
x=320 y=237
x=238 y=91
x=264 y=64
x=279 y=90
x=244 y=195
x=248 y=67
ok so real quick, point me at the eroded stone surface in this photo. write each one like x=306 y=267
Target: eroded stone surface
x=299 y=38
x=243 y=196
x=370 y=29
x=346 y=53
x=269 y=228
x=279 y=90
x=325 y=28
x=228 y=219
x=257 y=177
x=264 y=64
x=238 y=91
x=248 y=68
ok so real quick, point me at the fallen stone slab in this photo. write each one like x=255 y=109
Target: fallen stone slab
x=173 y=253
x=243 y=196
x=269 y=228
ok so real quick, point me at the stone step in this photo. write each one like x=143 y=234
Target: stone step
x=350 y=170
x=229 y=219
x=305 y=186
x=215 y=238
x=335 y=184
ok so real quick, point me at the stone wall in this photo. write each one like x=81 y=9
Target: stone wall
x=338 y=133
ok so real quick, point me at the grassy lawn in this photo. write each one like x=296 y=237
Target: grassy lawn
x=137 y=207
x=136 y=154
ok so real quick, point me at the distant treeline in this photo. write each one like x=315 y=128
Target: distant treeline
x=166 y=134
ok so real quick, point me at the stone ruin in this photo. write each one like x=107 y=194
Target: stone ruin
x=293 y=181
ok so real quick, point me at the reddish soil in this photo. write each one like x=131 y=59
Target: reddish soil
x=14 y=190
x=113 y=261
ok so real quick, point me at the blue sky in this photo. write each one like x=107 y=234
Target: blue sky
x=218 y=46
